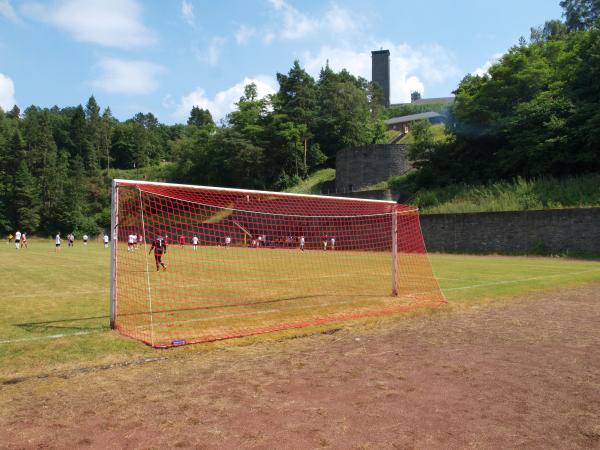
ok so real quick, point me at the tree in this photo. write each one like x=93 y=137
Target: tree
x=107 y=125
x=552 y=30
x=200 y=117
x=423 y=142
x=414 y=96
x=78 y=134
x=348 y=115
x=14 y=113
x=26 y=201
x=580 y=14
x=234 y=161
x=94 y=129
x=297 y=99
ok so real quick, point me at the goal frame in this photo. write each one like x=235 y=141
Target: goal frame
x=114 y=227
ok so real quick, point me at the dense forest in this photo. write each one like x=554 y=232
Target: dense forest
x=536 y=113
x=55 y=164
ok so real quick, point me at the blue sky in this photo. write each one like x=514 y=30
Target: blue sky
x=166 y=56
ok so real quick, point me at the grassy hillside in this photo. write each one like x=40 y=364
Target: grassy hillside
x=150 y=173
x=312 y=185
x=543 y=193
x=438 y=131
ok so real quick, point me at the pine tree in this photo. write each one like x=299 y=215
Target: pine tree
x=94 y=129
x=26 y=199
x=106 y=132
x=200 y=117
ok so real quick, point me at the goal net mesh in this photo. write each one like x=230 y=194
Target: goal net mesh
x=238 y=263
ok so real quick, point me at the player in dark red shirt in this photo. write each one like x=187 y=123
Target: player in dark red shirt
x=160 y=248
x=181 y=240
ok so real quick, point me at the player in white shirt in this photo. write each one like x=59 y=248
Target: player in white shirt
x=130 y=242
x=18 y=240
x=302 y=243
x=135 y=241
x=85 y=239
x=195 y=242
x=227 y=241
x=106 y=241
x=333 y=243
x=57 y=243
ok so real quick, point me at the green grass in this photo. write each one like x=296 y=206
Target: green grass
x=47 y=295
x=313 y=183
x=150 y=173
x=518 y=195
x=438 y=130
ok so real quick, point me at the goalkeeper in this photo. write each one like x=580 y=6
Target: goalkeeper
x=160 y=248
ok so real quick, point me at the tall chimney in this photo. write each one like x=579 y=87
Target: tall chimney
x=380 y=73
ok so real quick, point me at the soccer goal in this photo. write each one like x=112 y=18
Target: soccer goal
x=193 y=264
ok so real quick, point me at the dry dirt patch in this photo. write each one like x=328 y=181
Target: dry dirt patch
x=522 y=373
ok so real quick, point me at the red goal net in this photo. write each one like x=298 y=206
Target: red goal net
x=193 y=264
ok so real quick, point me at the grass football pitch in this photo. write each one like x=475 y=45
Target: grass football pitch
x=54 y=307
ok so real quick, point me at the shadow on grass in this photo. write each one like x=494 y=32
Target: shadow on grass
x=63 y=324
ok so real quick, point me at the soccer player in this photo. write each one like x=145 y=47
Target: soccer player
x=70 y=239
x=195 y=242
x=325 y=243
x=18 y=240
x=135 y=241
x=227 y=242
x=302 y=243
x=160 y=248
x=181 y=240
x=130 y=242
x=85 y=239
x=23 y=240
x=10 y=238
x=57 y=243
x=333 y=243
x=106 y=241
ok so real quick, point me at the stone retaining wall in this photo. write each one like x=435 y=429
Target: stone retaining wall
x=546 y=231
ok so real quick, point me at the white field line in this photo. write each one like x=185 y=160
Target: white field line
x=345 y=303
x=472 y=286
x=230 y=316
x=57 y=336
x=532 y=264
x=53 y=336
x=62 y=294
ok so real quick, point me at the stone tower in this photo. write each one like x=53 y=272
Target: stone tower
x=380 y=72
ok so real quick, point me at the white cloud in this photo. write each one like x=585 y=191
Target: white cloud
x=269 y=37
x=410 y=68
x=244 y=34
x=213 y=52
x=7 y=11
x=127 y=76
x=7 y=93
x=223 y=102
x=294 y=24
x=187 y=11
x=339 y=20
x=483 y=70
x=112 y=23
